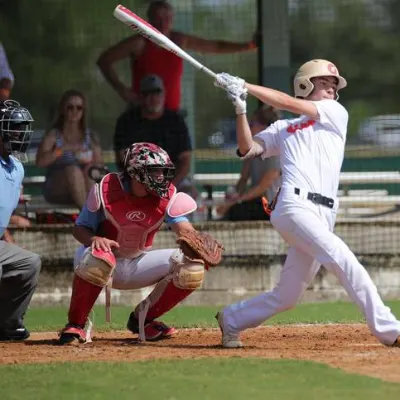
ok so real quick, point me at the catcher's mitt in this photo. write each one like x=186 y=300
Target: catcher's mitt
x=195 y=245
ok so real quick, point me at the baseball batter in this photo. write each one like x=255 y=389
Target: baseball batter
x=311 y=150
x=117 y=226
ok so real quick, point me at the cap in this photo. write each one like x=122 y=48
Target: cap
x=151 y=83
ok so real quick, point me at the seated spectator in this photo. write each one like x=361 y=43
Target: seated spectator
x=68 y=150
x=144 y=56
x=151 y=122
x=244 y=204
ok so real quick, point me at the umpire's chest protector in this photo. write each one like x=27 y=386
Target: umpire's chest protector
x=131 y=221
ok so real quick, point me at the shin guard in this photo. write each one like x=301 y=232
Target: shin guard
x=84 y=295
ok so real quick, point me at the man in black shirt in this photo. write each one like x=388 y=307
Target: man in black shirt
x=151 y=122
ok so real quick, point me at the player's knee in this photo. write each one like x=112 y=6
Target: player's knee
x=96 y=267
x=287 y=300
x=186 y=274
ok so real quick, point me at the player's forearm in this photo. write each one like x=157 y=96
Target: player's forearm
x=272 y=97
x=243 y=134
x=181 y=226
x=83 y=235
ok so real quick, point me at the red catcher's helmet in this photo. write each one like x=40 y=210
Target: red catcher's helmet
x=150 y=165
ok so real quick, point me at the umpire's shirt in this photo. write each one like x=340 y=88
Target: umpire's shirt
x=11 y=176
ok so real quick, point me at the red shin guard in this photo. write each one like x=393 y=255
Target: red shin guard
x=84 y=295
x=166 y=300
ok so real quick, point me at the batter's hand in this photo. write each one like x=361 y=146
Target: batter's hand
x=102 y=243
x=224 y=81
x=238 y=98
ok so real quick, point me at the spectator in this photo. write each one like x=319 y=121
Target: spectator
x=245 y=204
x=68 y=150
x=6 y=76
x=19 y=268
x=145 y=57
x=151 y=122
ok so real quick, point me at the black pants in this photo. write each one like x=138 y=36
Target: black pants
x=19 y=273
x=252 y=210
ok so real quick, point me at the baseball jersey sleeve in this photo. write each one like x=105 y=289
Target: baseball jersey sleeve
x=269 y=138
x=89 y=219
x=333 y=116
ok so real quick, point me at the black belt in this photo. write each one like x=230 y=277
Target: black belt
x=318 y=198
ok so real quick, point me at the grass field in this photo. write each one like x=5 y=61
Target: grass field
x=51 y=319
x=205 y=378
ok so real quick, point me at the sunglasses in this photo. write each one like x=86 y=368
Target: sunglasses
x=74 y=107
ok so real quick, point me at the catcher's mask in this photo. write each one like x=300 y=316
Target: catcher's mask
x=15 y=128
x=313 y=69
x=150 y=165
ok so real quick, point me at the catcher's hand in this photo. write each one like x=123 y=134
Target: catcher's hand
x=200 y=245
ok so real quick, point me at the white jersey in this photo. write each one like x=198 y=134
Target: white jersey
x=311 y=151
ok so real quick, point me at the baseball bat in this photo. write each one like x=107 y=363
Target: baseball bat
x=149 y=32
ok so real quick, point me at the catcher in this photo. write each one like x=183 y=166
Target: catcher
x=117 y=227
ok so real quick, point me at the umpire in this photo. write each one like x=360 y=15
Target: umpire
x=19 y=268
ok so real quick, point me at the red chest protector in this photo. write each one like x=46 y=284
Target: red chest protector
x=132 y=222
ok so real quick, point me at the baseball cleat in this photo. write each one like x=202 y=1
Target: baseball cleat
x=230 y=339
x=72 y=333
x=18 y=334
x=154 y=330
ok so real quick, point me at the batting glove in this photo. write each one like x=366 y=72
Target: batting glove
x=238 y=95
x=224 y=80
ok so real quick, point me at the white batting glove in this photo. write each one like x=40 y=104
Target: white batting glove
x=224 y=80
x=238 y=95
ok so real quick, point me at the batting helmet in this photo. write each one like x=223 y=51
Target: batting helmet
x=312 y=69
x=150 y=165
x=15 y=128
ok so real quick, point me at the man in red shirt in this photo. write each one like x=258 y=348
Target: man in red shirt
x=145 y=56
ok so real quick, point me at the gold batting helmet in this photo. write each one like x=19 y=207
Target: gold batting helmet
x=312 y=69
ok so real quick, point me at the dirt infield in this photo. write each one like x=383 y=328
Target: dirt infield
x=350 y=347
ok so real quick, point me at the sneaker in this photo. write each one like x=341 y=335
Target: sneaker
x=230 y=340
x=154 y=330
x=72 y=333
x=17 y=334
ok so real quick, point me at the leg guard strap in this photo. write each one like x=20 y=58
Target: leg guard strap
x=185 y=276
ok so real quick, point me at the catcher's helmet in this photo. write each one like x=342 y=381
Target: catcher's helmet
x=150 y=165
x=15 y=128
x=312 y=69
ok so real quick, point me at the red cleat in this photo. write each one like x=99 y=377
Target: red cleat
x=72 y=333
x=154 y=330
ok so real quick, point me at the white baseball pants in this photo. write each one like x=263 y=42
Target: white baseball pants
x=307 y=228
x=145 y=270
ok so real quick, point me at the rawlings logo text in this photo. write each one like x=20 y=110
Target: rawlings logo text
x=135 y=215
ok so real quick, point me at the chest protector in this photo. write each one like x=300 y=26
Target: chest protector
x=132 y=222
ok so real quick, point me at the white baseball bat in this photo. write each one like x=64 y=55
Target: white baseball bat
x=148 y=31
